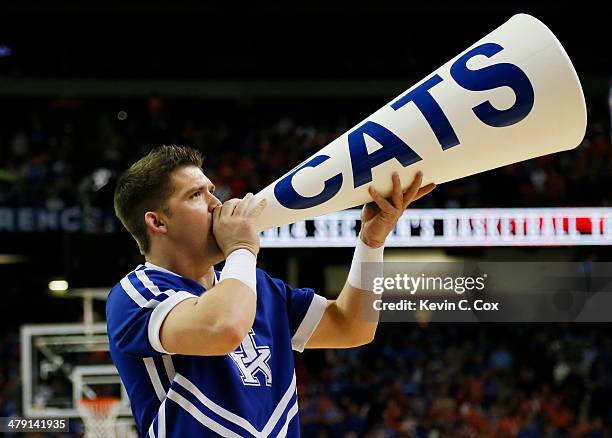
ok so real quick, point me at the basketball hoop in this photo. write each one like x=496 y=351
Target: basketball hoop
x=99 y=416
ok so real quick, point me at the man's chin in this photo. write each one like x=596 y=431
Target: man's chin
x=218 y=259
x=213 y=252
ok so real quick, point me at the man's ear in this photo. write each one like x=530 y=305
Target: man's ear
x=155 y=222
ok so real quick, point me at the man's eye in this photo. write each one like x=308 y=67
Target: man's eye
x=198 y=193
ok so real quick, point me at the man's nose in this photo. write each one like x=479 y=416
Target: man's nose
x=213 y=202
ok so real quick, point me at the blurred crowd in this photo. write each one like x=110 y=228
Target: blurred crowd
x=10 y=381
x=63 y=153
x=442 y=380
x=449 y=381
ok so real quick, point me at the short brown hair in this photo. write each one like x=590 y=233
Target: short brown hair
x=146 y=186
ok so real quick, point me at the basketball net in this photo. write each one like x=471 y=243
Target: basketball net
x=99 y=416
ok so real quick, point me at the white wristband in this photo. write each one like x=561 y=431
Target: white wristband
x=365 y=254
x=240 y=265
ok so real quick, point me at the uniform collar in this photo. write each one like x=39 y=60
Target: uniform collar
x=159 y=268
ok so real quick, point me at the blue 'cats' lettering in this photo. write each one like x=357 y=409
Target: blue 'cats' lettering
x=289 y=198
x=432 y=112
x=392 y=147
x=362 y=162
x=494 y=76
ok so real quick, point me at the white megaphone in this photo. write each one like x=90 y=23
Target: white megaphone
x=512 y=96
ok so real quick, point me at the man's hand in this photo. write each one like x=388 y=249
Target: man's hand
x=379 y=217
x=233 y=225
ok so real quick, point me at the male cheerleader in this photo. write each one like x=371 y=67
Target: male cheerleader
x=206 y=353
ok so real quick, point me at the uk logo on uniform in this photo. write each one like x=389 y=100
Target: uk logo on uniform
x=252 y=359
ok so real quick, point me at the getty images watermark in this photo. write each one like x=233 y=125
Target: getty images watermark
x=488 y=292
x=424 y=284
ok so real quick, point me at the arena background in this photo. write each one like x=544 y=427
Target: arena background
x=87 y=88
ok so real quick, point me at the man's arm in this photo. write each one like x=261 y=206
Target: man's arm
x=351 y=319
x=342 y=324
x=211 y=325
